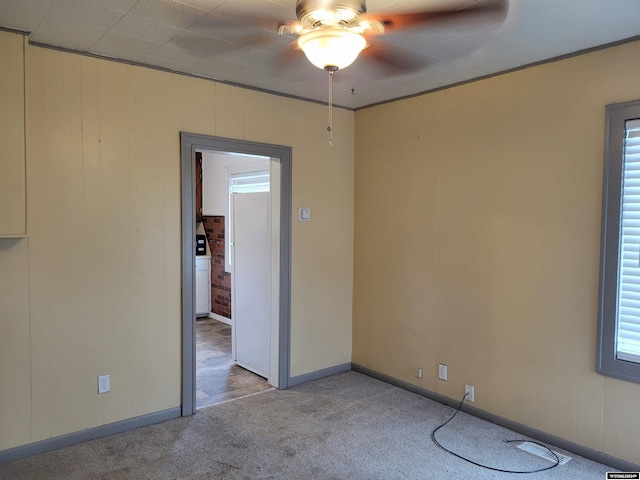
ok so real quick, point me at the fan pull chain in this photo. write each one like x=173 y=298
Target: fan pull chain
x=330 y=126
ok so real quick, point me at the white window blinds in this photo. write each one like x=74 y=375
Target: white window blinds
x=249 y=182
x=628 y=325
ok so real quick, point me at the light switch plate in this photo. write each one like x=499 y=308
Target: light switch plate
x=304 y=214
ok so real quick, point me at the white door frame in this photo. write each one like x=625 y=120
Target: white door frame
x=282 y=156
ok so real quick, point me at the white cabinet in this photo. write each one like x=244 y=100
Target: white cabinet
x=12 y=151
x=203 y=286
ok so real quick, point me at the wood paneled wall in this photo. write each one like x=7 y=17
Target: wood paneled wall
x=478 y=245
x=95 y=288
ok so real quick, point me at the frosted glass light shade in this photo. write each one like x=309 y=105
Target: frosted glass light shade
x=331 y=47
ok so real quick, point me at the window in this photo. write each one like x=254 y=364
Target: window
x=619 y=315
x=249 y=182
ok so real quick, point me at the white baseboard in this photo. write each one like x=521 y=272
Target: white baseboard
x=220 y=318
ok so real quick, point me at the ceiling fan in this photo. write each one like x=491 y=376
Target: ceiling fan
x=333 y=33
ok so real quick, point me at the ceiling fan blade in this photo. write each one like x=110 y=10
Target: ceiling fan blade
x=217 y=26
x=237 y=33
x=200 y=46
x=391 y=60
x=289 y=58
x=290 y=28
x=485 y=11
x=261 y=14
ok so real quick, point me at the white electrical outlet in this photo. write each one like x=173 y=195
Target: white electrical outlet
x=442 y=371
x=470 y=393
x=418 y=372
x=104 y=383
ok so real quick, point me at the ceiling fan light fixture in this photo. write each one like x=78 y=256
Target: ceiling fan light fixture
x=329 y=12
x=332 y=48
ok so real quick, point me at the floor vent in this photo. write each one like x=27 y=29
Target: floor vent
x=540 y=451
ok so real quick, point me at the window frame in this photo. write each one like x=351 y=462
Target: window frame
x=607 y=364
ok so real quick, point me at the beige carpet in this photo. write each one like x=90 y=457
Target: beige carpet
x=348 y=426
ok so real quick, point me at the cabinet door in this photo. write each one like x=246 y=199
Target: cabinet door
x=12 y=157
x=203 y=286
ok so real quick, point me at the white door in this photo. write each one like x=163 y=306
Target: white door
x=250 y=277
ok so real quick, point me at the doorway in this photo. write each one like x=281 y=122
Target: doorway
x=234 y=210
x=279 y=298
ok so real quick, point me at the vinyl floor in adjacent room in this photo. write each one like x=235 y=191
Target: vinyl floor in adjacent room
x=218 y=378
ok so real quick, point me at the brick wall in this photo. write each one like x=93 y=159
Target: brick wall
x=220 y=280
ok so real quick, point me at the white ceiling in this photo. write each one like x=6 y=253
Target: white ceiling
x=236 y=40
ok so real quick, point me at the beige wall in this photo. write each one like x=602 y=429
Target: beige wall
x=95 y=288
x=477 y=241
x=477 y=236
